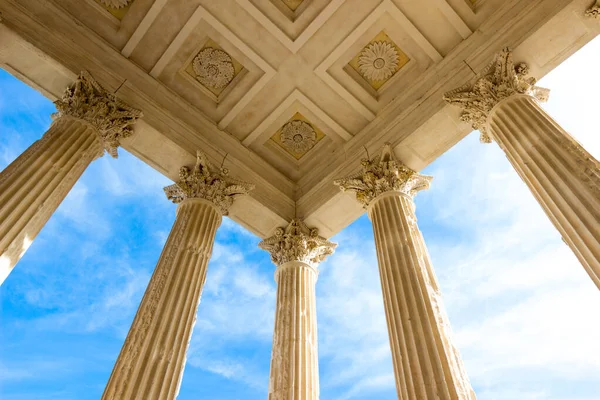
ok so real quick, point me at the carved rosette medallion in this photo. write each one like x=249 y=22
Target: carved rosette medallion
x=500 y=80
x=214 y=68
x=297 y=242
x=203 y=181
x=116 y=3
x=594 y=11
x=378 y=61
x=381 y=175
x=112 y=119
x=298 y=136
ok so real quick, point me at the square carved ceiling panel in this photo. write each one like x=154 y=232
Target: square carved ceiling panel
x=378 y=61
x=215 y=69
x=384 y=54
x=275 y=138
x=212 y=68
x=298 y=136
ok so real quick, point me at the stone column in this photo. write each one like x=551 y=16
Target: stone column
x=296 y=251
x=150 y=365
x=426 y=363
x=89 y=120
x=561 y=174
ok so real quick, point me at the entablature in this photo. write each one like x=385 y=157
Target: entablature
x=291 y=100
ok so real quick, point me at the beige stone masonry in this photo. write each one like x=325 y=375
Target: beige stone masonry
x=426 y=363
x=563 y=177
x=150 y=365
x=296 y=251
x=89 y=121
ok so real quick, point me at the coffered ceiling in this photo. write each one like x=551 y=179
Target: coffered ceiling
x=292 y=92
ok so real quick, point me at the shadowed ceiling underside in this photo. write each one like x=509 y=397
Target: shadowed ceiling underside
x=294 y=92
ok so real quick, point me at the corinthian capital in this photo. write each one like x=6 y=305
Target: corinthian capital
x=594 y=11
x=203 y=181
x=383 y=174
x=297 y=242
x=88 y=101
x=500 y=80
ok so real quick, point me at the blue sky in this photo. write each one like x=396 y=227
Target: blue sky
x=524 y=313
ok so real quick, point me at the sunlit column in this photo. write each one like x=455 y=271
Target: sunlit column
x=561 y=174
x=150 y=365
x=594 y=11
x=296 y=251
x=426 y=363
x=88 y=122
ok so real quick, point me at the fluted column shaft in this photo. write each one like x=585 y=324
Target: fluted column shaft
x=296 y=250
x=294 y=360
x=426 y=363
x=34 y=185
x=151 y=362
x=561 y=174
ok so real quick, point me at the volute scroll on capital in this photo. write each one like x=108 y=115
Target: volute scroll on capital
x=383 y=174
x=499 y=81
x=297 y=242
x=88 y=101
x=203 y=181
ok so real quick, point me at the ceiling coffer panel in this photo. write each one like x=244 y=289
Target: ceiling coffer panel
x=212 y=68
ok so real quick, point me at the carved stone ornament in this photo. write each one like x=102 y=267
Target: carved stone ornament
x=116 y=3
x=203 y=181
x=297 y=242
x=298 y=136
x=214 y=68
x=500 y=80
x=594 y=11
x=378 y=61
x=381 y=175
x=88 y=101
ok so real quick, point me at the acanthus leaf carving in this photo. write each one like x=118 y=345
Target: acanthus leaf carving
x=297 y=242
x=378 y=61
x=499 y=81
x=594 y=11
x=298 y=136
x=214 y=68
x=116 y=3
x=112 y=119
x=381 y=175
x=203 y=181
